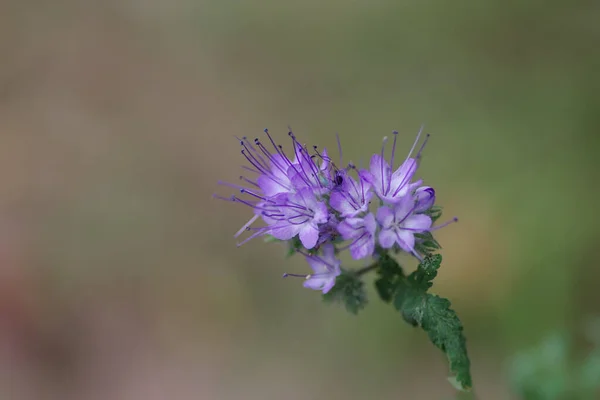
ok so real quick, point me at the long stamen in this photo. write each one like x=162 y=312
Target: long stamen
x=246 y=226
x=416 y=141
x=422 y=146
x=259 y=167
x=296 y=147
x=232 y=185
x=285 y=275
x=382 y=161
x=392 y=161
x=250 y=151
x=243 y=178
x=269 y=155
x=339 y=143
x=453 y=220
x=277 y=149
x=256 y=234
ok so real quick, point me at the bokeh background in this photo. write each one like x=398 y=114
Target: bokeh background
x=119 y=275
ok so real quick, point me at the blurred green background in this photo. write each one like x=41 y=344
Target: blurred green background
x=119 y=275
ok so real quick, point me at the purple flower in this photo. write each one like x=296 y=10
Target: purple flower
x=362 y=233
x=425 y=197
x=400 y=223
x=299 y=214
x=392 y=186
x=353 y=197
x=325 y=269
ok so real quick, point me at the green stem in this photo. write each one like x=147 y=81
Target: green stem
x=366 y=269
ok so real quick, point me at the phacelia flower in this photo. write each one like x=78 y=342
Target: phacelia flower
x=362 y=233
x=325 y=269
x=392 y=186
x=322 y=207
x=299 y=214
x=400 y=224
x=353 y=197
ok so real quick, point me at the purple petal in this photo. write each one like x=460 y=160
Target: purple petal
x=324 y=283
x=417 y=223
x=425 y=198
x=269 y=186
x=406 y=240
x=317 y=265
x=329 y=254
x=284 y=231
x=309 y=235
x=387 y=238
x=402 y=176
x=370 y=223
x=321 y=213
x=380 y=174
x=385 y=216
x=362 y=248
x=404 y=207
x=339 y=202
x=350 y=227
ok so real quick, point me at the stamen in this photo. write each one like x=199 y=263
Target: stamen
x=339 y=143
x=232 y=185
x=285 y=275
x=435 y=228
x=243 y=178
x=423 y=146
x=416 y=141
x=392 y=160
x=256 y=234
x=385 y=139
x=246 y=226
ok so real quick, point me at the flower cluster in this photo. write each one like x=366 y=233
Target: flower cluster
x=324 y=208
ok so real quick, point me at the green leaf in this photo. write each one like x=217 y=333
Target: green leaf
x=390 y=277
x=426 y=243
x=348 y=290
x=434 y=315
x=294 y=244
x=434 y=213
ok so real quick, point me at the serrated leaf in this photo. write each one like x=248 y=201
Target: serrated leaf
x=426 y=243
x=348 y=290
x=434 y=315
x=426 y=272
x=390 y=277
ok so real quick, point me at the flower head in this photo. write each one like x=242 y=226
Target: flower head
x=324 y=208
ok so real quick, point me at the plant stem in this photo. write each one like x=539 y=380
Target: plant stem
x=366 y=269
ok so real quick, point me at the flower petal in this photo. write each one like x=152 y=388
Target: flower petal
x=387 y=238
x=402 y=176
x=417 y=223
x=406 y=240
x=380 y=171
x=350 y=228
x=404 y=207
x=385 y=216
x=309 y=235
x=362 y=248
x=425 y=198
x=339 y=202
